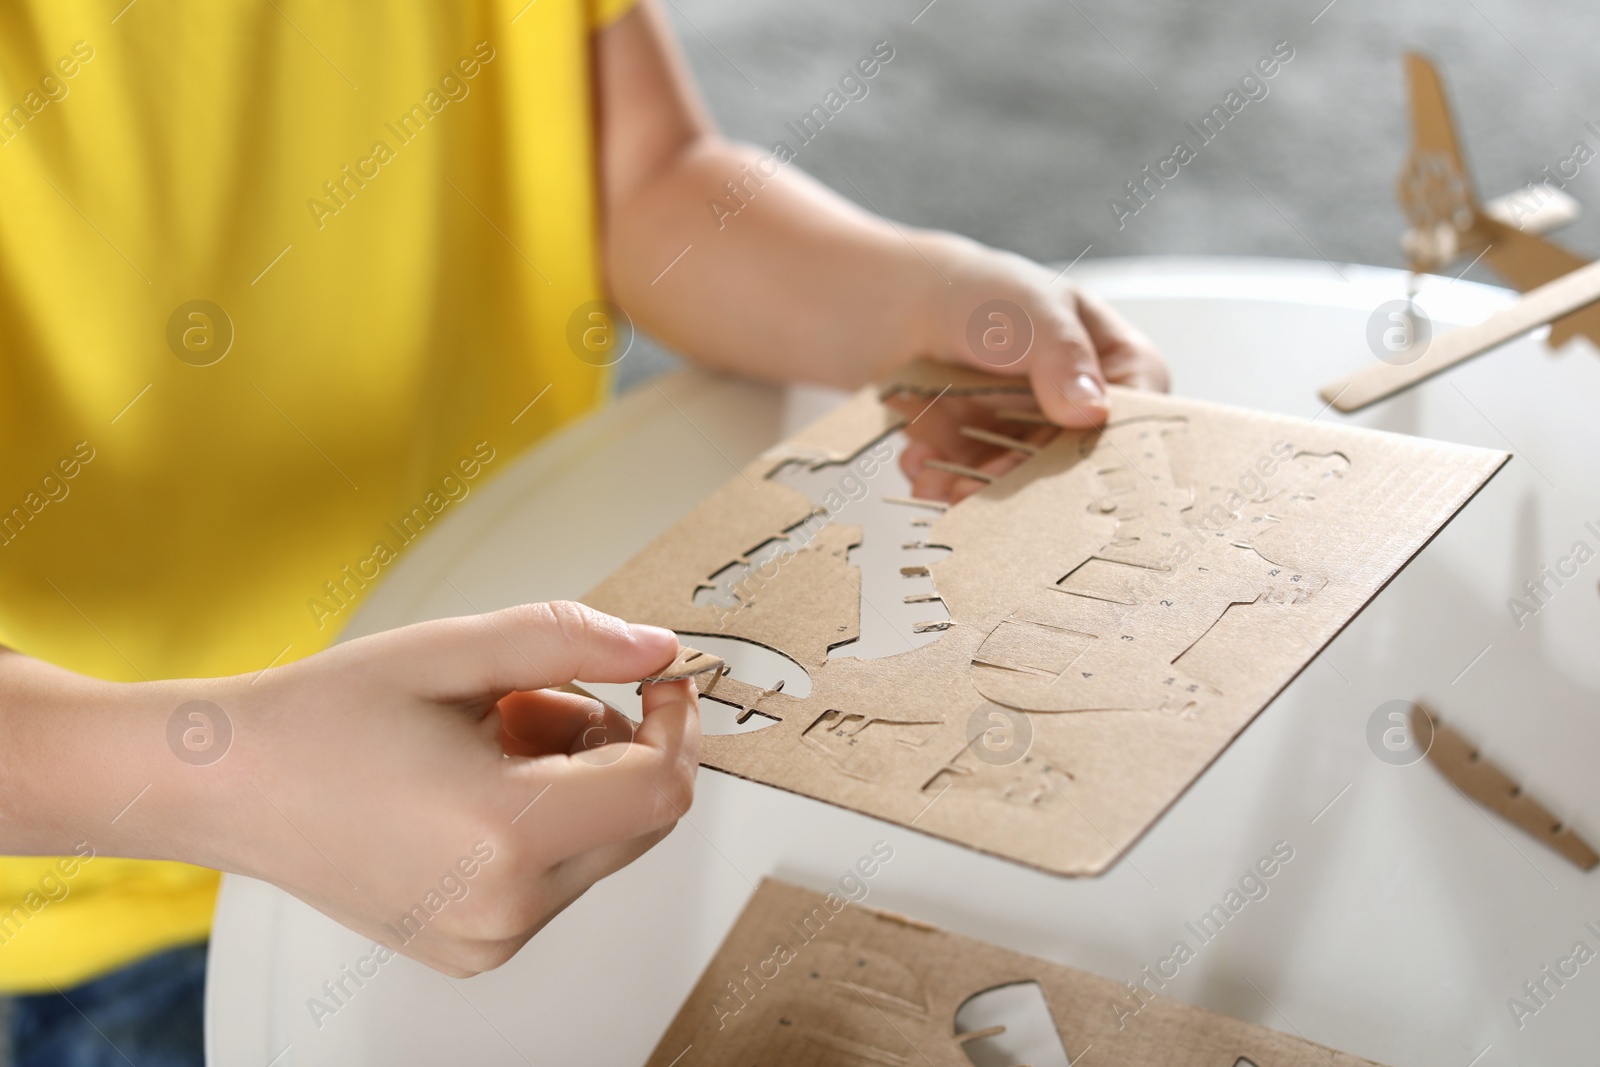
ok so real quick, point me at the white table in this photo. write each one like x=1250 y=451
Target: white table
x=1398 y=931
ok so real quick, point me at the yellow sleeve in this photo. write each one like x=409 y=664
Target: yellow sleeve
x=603 y=13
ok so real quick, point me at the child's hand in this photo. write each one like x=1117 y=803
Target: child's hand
x=366 y=774
x=1005 y=314
x=429 y=787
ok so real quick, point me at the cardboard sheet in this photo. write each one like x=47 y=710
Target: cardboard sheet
x=804 y=979
x=1119 y=606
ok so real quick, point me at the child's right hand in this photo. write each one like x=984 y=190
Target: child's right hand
x=428 y=787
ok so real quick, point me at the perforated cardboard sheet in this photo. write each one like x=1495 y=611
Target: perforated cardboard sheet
x=1120 y=605
x=806 y=979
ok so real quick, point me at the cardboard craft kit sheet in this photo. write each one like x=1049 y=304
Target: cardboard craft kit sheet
x=805 y=980
x=1120 y=606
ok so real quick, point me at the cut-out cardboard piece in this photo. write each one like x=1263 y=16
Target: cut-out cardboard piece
x=1447 y=223
x=688 y=663
x=807 y=979
x=1459 y=760
x=1119 y=606
x=1377 y=381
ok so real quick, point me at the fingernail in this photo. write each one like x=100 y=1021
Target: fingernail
x=1084 y=390
x=641 y=632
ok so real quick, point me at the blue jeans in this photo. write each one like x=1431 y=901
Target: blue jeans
x=147 y=1014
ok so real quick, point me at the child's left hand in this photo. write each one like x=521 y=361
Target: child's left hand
x=1008 y=315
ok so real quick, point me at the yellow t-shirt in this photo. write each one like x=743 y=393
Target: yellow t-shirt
x=279 y=283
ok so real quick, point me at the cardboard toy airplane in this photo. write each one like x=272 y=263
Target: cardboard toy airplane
x=1447 y=224
x=805 y=979
x=1119 y=606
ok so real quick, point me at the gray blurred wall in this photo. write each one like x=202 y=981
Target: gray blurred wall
x=1016 y=121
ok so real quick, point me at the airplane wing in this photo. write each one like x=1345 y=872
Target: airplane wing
x=1534 y=209
x=1527 y=262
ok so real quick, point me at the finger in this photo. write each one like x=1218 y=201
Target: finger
x=671 y=719
x=938 y=421
x=933 y=485
x=962 y=488
x=616 y=793
x=1002 y=461
x=547 y=722
x=1127 y=356
x=995 y=466
x=531 y=646
x=914 y=458
x=1064 y=371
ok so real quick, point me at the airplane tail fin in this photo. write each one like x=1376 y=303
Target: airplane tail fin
x=1448 y=222
x=1433 y=128
x=1435 y=188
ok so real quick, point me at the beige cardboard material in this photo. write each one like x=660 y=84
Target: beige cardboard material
x=1459 y=761
x=688 y=663
x=1447 y=224
x=1549 y=302
x=1121 y=605
x=805 y=980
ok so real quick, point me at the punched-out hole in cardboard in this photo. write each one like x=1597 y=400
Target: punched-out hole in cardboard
x=1010 y=1025
x=860 y=510
x=1126 y=598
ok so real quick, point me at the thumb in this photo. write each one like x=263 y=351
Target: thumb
x=1060 y=360
x=530 y=646
x=1066 y=376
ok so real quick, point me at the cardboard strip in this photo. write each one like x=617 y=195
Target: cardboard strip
x=809 y=979
x=988 y=437
x=1459 y=760
x=937 y=505
x=1118 y=606
x=959 y=469
x=1538 y=307
x=687 y=664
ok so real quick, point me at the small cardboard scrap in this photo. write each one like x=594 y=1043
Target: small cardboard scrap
x=688 y=663
x=1459 y=761
x=1120 y=606
x=803 y=979
x=1551 y=301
